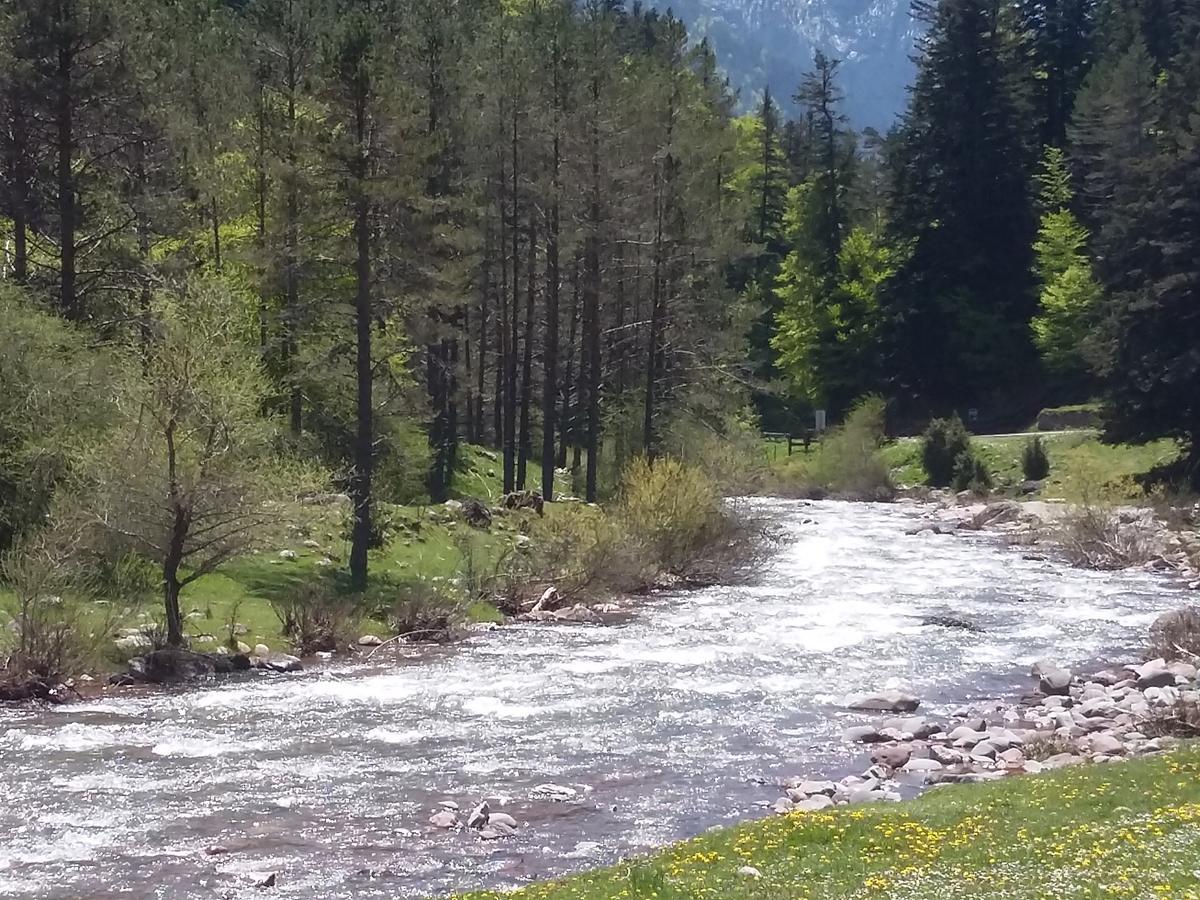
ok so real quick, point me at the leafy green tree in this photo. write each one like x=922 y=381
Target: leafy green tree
x=187 y=475
x=56 y=386
x=1070 y=296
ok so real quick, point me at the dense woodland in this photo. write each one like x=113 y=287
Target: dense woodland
x=256 y=246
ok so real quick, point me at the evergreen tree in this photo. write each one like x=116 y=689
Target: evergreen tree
x=959 y=307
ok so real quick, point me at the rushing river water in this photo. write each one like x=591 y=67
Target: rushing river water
x=666 y=725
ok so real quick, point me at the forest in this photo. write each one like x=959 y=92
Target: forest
x=257 y=249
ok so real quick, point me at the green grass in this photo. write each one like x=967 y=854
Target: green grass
x=1115 y=830
x=1081 y=468
x=426 y=545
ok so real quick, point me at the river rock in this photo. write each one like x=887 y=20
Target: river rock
x=945 y=755
x=264 y=879
x=443 y=818
x=495 y=831
x=281 y=662
x=964 y=736
x=862 y=734
x=556 y=792
x=815 y=803
x=499 y=818
x=887 y=701
x=923 y=765
x=171 y=665
x=1061 y=761
x=866 y=795
x=1055 y=681
x=892 y=757
x=448 y=804
x=916 y=727
x=1105 y=744
x=370 y=640
x=783 y=805
x=262 y=650
x=812 y=788
x=479 y=816
x=1182 y=669
x=578 y=614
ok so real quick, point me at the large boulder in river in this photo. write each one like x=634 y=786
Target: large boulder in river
x=887 y=701
x=171 y=665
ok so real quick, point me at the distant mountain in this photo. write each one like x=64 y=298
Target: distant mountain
x=771 y=42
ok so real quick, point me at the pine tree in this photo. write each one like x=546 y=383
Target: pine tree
x=958 y=309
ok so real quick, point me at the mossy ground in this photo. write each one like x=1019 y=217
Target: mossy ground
x=1120 y=830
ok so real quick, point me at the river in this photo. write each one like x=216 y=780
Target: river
x=665 y=725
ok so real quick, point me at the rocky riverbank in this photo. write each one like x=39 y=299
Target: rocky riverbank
x=1122 y=537
x=1071 y=719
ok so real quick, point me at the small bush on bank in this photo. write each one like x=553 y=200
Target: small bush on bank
x=1035 y=464
x=670 y=508
x=1093 y=537
x=1176 y=635
x=971 y=473
x=579 y=549
x=944 y=441
x=317 y=615
x=848 y=462
x=56 y=629
x=421 y=610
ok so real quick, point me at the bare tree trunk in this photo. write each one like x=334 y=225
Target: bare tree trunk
x=524 y=442
x=291 y=275
x=360 y=481
x=65 y=146
x=591 y=304
x=550 y=344
x=514 y=306
x=567 y=418
x=17 y=164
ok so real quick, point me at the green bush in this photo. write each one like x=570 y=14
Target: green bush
x=970 y=473
x=1035 y=464
x=579 y=549
x=670 y=508
x=944 y=441
x=848 y=462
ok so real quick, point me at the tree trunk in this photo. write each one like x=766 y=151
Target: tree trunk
x=360 y=481
x=524 y=442
x=17 y=163
x=65 y=146
x=514 y=317
x=649 y=439
x=568 y=386
x=550 y=348
x=591 y=305
x=481 y=353
x=291 y=274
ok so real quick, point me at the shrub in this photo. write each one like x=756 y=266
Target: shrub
x=971 y=473
x=579 y=549
x=422 y=610
x=319 y=615
x=57 y=626
x=1035 y=464
x=848 y=462
x=1095 y=538
x=671 y=509
x=1176 y=635
x=944 y=441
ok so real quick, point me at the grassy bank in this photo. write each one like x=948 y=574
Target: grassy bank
x=436 y=569
x=1081 y=467
x=1127 y=829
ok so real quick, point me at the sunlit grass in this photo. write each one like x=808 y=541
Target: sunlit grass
x=1121 y=830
